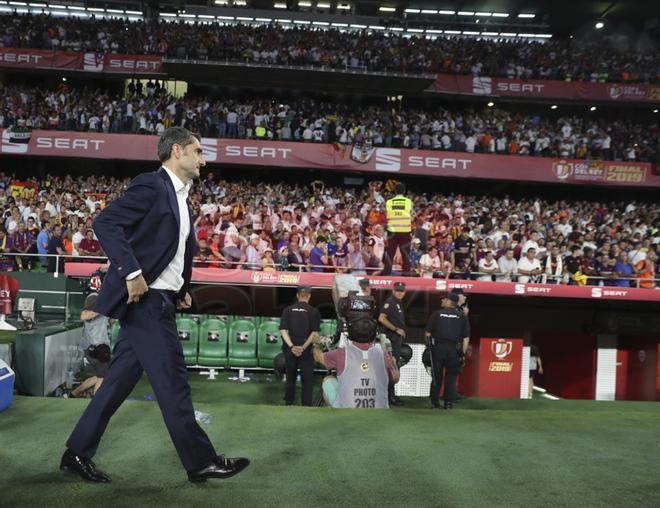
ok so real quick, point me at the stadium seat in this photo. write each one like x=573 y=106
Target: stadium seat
x=269 y=343
x=114 y=333
x=253 y=319
x=189 y=336
x=328 y=327
x=212 y=343
x=243 y=344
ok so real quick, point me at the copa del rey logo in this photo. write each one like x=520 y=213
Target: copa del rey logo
x=501 y=348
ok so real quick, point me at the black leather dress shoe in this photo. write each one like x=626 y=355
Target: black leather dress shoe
x=84 y=467
x=396 y=401
x=221 y=467
x=449 y=405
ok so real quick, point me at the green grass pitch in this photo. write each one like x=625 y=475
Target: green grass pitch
x=485 y=453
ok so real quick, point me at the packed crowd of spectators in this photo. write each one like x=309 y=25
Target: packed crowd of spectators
x=312 y=227
x=563 y=59
x=149 y=109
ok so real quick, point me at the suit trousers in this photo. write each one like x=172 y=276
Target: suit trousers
x=148 y=342
x=306 y=365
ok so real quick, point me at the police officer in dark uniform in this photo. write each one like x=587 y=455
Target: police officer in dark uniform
x=462 y=305
x=446 y=333
x=299 y=324
x=393 y=321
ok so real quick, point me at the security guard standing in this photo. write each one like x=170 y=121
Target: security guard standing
x=399 y=227
x=446 y=333
x=299 y=325
x=462 y=305
x=392 y=319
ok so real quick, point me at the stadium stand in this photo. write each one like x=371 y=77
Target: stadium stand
x=150 y=110
x=614 y=239
x=561 y=59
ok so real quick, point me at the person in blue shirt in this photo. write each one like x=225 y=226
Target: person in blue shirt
x=623 y=268
x=318 y=257
x=42 y=242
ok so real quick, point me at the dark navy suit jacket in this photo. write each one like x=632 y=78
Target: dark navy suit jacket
x=140 y=231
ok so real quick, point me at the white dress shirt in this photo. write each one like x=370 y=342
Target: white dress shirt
x=171 y=278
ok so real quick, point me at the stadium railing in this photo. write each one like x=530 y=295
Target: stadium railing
x=543 y=278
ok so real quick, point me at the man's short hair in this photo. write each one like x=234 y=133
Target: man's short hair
x=399 y=188
x=304 y=290
x=173 y=136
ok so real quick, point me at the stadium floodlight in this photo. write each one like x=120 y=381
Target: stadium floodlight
x=340 y=25
x=429 y=11
x=544 y=36
x=304 y=3
x=413 y=11
x=114 y=11
x=453 y=32
x=396 y=29
x=599 y=25
x=483 y=14
x=470 y=32
x=73 y=8
x=508 y=34
x=90 y=9
x=279 y=5
x=221 y=2
x=344 y=7
x=526 y=15
x=592 y=108
x=323 y=5
x=135 y=13
x=500 y=14
x=206 y=16
x=376 y=27
x=240 y=3
x=415 y=30
x=447 y=13
x=490 y=104
x=554 y=106
x=283 y=21
x=25 y=3
x=655 y=110
x=301 y=22
x=63 y=79
x=228 y=18
x=429 y=31
x=167 y=15
x=361 y=27
x=187 y=16
x=44 y=5
x=490 y=34
x=465 y=13
x=320 y=23
x=244 y=18
x=384 y=8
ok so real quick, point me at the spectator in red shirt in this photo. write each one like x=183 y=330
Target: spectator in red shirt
x=89 y=246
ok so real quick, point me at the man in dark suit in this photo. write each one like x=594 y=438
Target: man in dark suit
x=147 y=236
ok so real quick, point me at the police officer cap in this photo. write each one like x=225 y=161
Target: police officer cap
x=457 y=291
x=453 y=297
x=399 y=286
x=364 y=283
x=304 y=289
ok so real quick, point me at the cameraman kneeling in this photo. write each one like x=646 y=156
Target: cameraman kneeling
x=364 y=369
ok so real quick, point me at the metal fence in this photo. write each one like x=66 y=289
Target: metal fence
x=543 y=278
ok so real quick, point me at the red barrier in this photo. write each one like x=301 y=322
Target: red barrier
x=324 y=280
x=8 y=291
x=500 y=364
x=21 y=58
x=546 y=89
x=385 y=161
